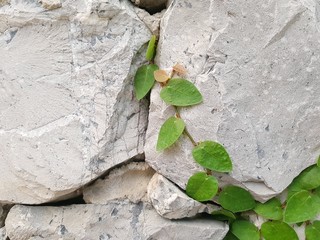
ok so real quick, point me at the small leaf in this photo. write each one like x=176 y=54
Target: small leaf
x=180 y=92
x=223 y=215
x=307 y=180
x=318 y=162
x=151 y=50
x=270 y=210
x=236 y=199
x=202 y=187
x=278 y=231
x=170 y=132
x=245 y=230
x=313 y=231
x=301 y=207
x=213 y=156
x=144 y=80
x=160 y=76
x=230 y=236
x=179 y=69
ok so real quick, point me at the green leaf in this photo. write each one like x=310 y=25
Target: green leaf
x=270 y=210
x=223 y=215
x=318 y=162
x=170 y=132
x=245 y=230
x=151 y=50
x=202 y=187
x=301 y=207
x=278 y=231
x=307 y=180
x=230 y=236
x=213 y=156
x=144 y=80
x=180 y=92
x=236 y=199
x=313 y=231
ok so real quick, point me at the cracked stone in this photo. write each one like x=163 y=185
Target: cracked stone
x=115 y=220
x=128 y=182
x=67 y=110
x=170 y=202
x=257 y=65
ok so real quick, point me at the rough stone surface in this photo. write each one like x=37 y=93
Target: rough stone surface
x=257 y=66
x=50 y=4
x=112 y=221
x=151 y=5
x=152 y=21
x=3 y=235
x=170 y=202
x=67 y=111
x=128 y=182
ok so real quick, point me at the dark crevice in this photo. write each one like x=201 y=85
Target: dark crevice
x=70 y=201
x=151 y=6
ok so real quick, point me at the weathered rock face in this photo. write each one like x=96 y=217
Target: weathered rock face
x=3 y=235
x=112 y=221
x=257 y=66
x=128 y=182
x=67 y=112
x=170 y=202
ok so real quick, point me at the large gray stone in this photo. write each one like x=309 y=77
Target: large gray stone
x=128 y=182
x=257 y=65
x=116 y=221
x=67 y=110
x=170 y=202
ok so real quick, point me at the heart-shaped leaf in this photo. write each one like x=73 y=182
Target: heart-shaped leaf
x=313 y=231
x=223 y=215
x=180 y=92
x=245 y=230
x=278 y=231
x=270 y=210
x=236 y=199
x=213 y=156
x=170 y=132
x=151 y=50
x=307 y=180
x=301 y=207
x=202 y=187
x=144 y=80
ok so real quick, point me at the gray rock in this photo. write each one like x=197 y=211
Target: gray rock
x=116 y=220
x=3 y=235
x=170 y=202
x=257 y=66
x=67 y=110
x=128 y=182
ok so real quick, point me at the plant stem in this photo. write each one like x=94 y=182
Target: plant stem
x=185 y=131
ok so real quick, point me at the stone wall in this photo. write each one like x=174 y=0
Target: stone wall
x=77 y=146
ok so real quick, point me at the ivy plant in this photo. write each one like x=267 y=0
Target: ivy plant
x=302 y=204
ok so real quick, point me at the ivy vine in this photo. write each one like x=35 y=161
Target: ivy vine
x=302 y=204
